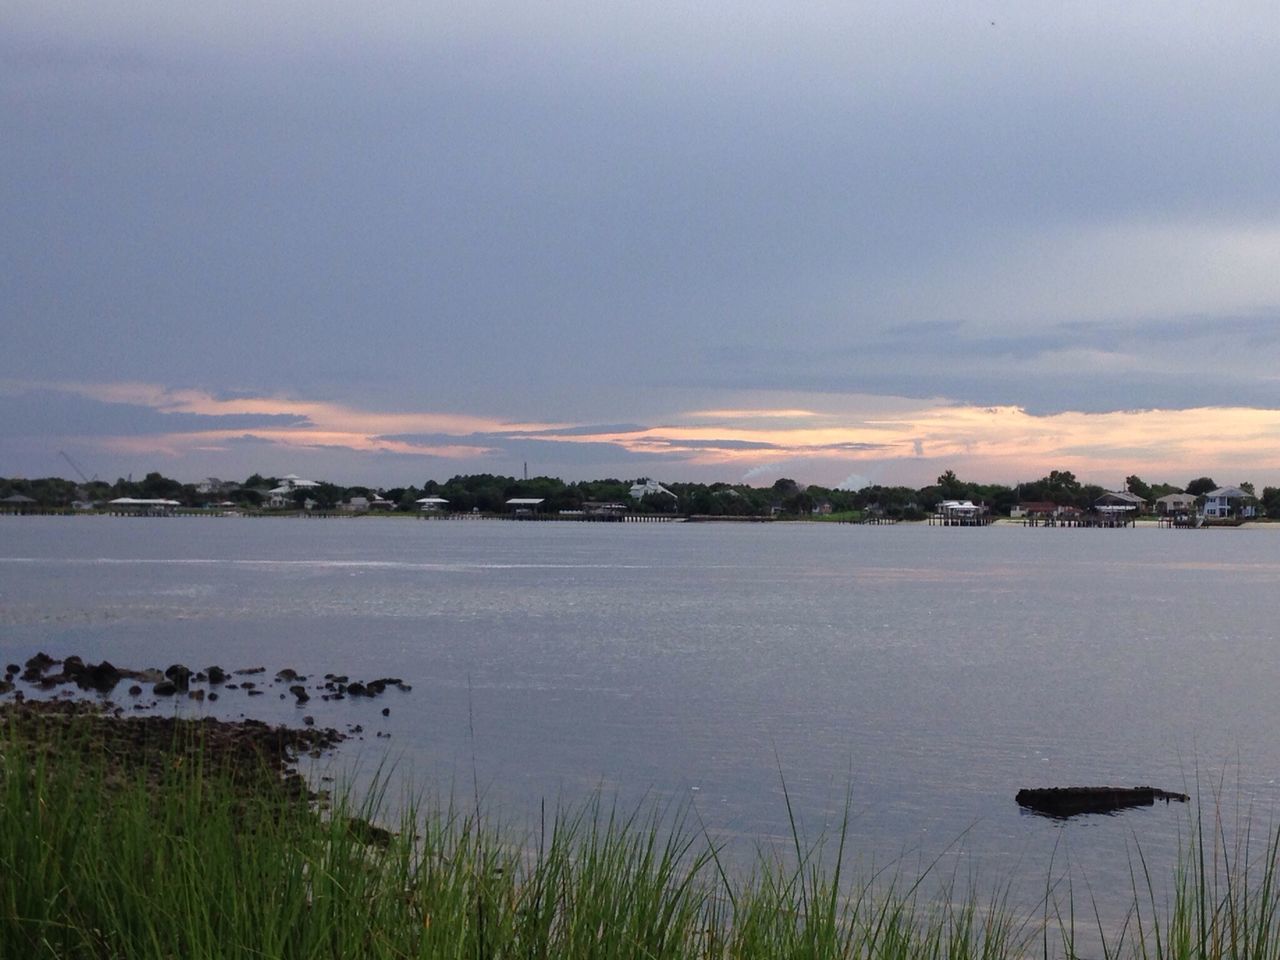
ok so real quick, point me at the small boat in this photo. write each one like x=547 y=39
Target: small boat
x=1063 y=802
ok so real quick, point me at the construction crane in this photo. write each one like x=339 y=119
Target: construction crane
x=76 y=467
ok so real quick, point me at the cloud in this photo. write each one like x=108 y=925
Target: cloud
x=881 y=434
x=854 y=481
x=756 y=473
x=61 y=412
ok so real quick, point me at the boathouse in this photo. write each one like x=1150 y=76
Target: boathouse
x=524 y=508
x=960 y=513
x=143 y=507
x=1120 y=502
x=432 y=504
x=603 y=510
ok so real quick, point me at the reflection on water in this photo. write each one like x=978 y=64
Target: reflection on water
x=924 y=673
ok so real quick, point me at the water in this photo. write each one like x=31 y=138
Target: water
x=920 y=674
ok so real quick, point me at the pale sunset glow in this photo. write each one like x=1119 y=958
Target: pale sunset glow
x=994 y=444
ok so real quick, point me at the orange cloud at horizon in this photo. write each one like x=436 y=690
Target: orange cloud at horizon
x=999 y=440
x=993 y=442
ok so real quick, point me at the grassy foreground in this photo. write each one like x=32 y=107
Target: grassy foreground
x=202 y=856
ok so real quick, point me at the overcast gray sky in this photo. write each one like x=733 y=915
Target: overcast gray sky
x=840 y=242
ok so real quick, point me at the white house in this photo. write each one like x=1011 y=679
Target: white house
x=215 y=486
x=641 y=490
x=432 y=504
x=282 y=496
x=1229 y=502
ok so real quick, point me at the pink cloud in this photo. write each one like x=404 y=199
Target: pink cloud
x=988 y=443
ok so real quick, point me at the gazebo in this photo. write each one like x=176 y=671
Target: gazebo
x=524 y=508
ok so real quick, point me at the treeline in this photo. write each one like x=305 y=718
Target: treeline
x=488 y=494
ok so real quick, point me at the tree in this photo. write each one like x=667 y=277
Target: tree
x=950 y=486
x=1088 y=495
x=1137 y=487
x=1247 y=487
x=800 y=504
x=1201 y=485
x=658 y=503
x=158 y=487
x=1271 y=501
x=1062 y=480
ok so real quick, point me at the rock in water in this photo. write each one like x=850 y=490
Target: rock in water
x=1063 y=802
x=180 y=675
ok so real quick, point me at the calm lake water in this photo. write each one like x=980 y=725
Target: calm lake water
x=923 y=673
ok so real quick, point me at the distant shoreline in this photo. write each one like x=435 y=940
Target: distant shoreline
x=196 y=514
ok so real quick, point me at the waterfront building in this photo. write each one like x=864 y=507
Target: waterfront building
x=1175 y=503
x=1229 y=502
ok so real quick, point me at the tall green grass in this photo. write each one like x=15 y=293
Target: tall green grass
x=190 y=865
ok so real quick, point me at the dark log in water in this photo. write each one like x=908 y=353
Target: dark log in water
x=1072 y=801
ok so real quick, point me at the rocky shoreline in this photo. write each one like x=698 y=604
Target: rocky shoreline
x=180 y=680
x=260 y=758
x=53 y=706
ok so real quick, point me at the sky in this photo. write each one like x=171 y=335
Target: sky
x=845 y=243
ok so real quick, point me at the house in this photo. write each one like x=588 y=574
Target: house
x=1229 y=502
x=1175 y=503
x=18 y=503
x=1037 y=509
x=282 y=496
x=214 y=485
x=647 y=488
x=432 y=504
x=822 y=508
x=295 y=482
x=355 y=505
